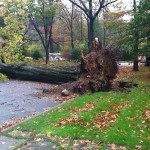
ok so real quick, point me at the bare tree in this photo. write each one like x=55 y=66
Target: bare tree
x=42 y=15
x=68 y=18
x=91 y=8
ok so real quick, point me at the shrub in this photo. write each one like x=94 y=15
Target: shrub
x=3 y=77
x=35 y=51
x=36 y=54
x=76 y=54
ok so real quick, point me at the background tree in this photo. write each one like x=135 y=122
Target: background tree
x=91 y=8
x=143 y=26
x=116 y=32
x=98 y=29
x=11 y=49
x=136 y=38
x=42 y=14
x=68 y=18
x=140 y=31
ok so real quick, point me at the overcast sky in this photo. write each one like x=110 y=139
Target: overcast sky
x=127 y=3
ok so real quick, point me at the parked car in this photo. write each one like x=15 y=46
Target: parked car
x=55 y=57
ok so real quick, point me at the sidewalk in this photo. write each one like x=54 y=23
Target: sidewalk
x=18 y=140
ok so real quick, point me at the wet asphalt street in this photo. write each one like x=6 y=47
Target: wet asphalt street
x=20 y=99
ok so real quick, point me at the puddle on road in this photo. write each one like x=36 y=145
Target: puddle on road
x=18 y=99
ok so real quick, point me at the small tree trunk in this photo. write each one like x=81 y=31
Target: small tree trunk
x=51 y=45
x=88 y=24
x=135 y=64
x=72 y=39
x=47 y=54
x=147 y=63
x=71 y=27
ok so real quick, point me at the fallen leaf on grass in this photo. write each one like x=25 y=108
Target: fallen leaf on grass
x=63 y=145
x=104 y=120
x=66 y=98
x=86 y=143
x=147 y=114
x=115 y=147
x=74 y=119
x=118 y=107
x=89 y=107
x=15 y=121
x=48 y=134
x=137 y=147
x=39 y=139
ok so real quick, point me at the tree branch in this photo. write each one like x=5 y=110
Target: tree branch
x=83 y=5
x=109 y=3
x=37 y=29
x=100 y=7
x=50 y=35
x=83 y=9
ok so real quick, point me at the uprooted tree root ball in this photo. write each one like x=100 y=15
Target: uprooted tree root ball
x=98 y=69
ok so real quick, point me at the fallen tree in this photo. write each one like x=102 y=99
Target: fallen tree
x=44 y=74
x=97 y=71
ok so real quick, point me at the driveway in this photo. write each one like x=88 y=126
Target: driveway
x=20 y=98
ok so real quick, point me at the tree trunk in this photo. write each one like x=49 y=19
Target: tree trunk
x=43 y=74
x=51 y=45
x=47 y=54
x=147 y=63
x=136 y=41
x=135 y=51
x=91 y=31
x=71 y=27
x=88 y=24
x=81 y=30
x=135 y=64
x=72 y=38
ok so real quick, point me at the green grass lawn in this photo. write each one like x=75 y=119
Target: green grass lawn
x=105 y=117
x=52 y=63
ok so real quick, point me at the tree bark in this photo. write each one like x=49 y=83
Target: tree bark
x=72 y=38
x=147 y=63
x=47 y=54
x=91 y=31
x=51 y=45
x=44 y=74
x=136 y=41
